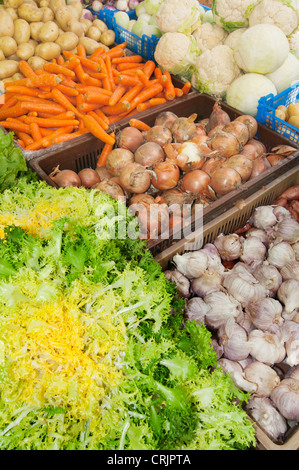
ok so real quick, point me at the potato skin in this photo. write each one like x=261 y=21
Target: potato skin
x=48 y=50
x=8 y=45
x=8 y=68
x=25 y=51
x=49 y=32
x=30 y=13
x=35 y=28
x=36 y=62
x=6 y=24
x=22 y=31
x=67 y=41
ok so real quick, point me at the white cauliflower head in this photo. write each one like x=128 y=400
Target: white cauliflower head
x=177 y=53
x=215 y=70
x=233 y=37
x=181 y=16
x=209 y=35
x=294 y=44
x=232 y=14
x=277 y=12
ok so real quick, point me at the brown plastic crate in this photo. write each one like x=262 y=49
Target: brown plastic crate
x=227 y=223
x=84 y=154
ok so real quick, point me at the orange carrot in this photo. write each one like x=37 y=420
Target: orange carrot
x=158 y=73
x=64 y=101
x=39 y=143
x=81 y=51
x=93 y=126
x=86 y=107
x=149 y=68
x=118 y=108
x=60 y=60
x=117 y=94
x=21 y=143
x=50 y=80
x=157 y=101
x=15 y=126
x=127 y=58
x=102 y=123
x=186 y=88
x=97 y=53
x=56 y=68
x=178 y=92
x=109 y=72
x=143 y=106
x=102 y=158
x=64 y=138
x=51 y=108
x=52 y=122
x=129 y=66
x=26 y=138
x=13 y=111
x=146 y=94
x=92 y=97
x=23 y=90
x=106 y=80
x=92 y=89
x=72 y=62
x=9 y=103
x=126 y=80
x=140 y=125
x=26 y=69
x=132 y=92
x=67 y=90
x=88 y=63
x=102 y=115
x=35 y=131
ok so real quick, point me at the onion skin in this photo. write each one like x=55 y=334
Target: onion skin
x=65 y=178
x=250 y=122
x=165 y=119
x=211 y=164
x=275 y=158
x=225 y=144
x=239 y=130
x=184 y=128
x=218 y=117
x=195 y=182
x=160 y=135
x=224 y=180
x=254 y=149
x=260 y=165
x=166 y=175
x=129 y=138
x=89 y=177
x=103 y=173
x=117 y=159
x=135 y=178
x=241 y=164
x=110 y=187
x=148 y=154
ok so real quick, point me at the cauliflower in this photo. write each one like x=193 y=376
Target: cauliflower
x=215 y=70
x=278 y=12
x=181 y=16
x=177 y=53
x=232 y=14
x=233 y=37
x=294 y=44
x=209 y=35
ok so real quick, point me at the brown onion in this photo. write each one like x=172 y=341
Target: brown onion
x=200 y=129
x=215 y=130
x=171 y=150
x=184 y=128
x=89 y=177
x=259 y=165
x=65 y=178
x=166 y=175
x=135 y=178
x=110 y=187
x=225 y=144
x=129 y=138
x=159 y=134
x=103 y=173
x=176 y=196
x=117 y=159
x=165 y=119
x=239 y=130
x=218 y=117
x=190 y=156
x=149 y=154
x=250 y=122
x=195 y=182
x=211 y=164
x=275 y=158
x=141 y=199
x=152 y=218
x=116 y=179
x=225 y=180
x=253 y=149
x=241 y=164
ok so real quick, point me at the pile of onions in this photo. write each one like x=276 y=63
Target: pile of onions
x=244 y=287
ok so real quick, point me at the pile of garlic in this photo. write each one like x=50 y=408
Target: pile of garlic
x=245 y=289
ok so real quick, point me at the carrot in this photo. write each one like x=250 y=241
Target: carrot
x=114 y=52
x=52 y=122
x=127 y=58
x=81 y=51
x=21 y=82
x=72 y=62
x=92 y=97
x=21 y=143
x=56 y=68
x=178 y=92
x=102 y=123
x=146 y=94
x=143 y=106
x=140 y=125
x=102 y=158
x=168 y=86
x=97 y=53
x=79 y=100
x=92 y=89
x=109 y=72
x=45 y=131
x=158 y=73
x=26 y=69
x=142 y=77
x=9 y=103
x=157 y=101
x=132 y=92
x=64 y=101
x=15 y=126
x=64 y=138
x=129 y=66
x=13 y=111
x=117 y=94
x=94 y=127
x=118 y=108
x=186 y=88
x=39 y=143
x=67 y=90
x=35 y=131
x=102 y=115
x=149 y=68
x=50 y=80
x=126 y=80
x=88 y=63
x=51 y=108
x=23 y=90
x=26 y=138
x=106 y=80
x=60 y=60
x=86 y=107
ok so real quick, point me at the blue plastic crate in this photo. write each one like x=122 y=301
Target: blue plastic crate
x=266 y=112
x=106 y=15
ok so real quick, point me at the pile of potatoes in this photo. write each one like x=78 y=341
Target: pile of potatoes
x=289 y=113
x=37 y=31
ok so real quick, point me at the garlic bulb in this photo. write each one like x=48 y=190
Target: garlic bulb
x=196 y=309
x=258 y=233
x=263 y=376
x=290 y=334
x=210 y=281
x=265 y=314
x=235 y=370
x=264 y=217
x=287 y=230
x=233 y=338
x=280 y=254
x=182 y=282
x=266 y=347
x=290 y=271
x=288 y=294
x=293 y=372
x=295 y=248
x=191 y=264
x=286 y=398
x=217 y=348
x=253 y=252
x=281 y=213
x=214 y=258
x=222 y=307
x=269 y=276
x=244 y=287
x=266 y=416
x=245 y=321
x=229 y=246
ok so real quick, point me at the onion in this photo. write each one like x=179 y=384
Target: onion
x=176 y=196
x=103 y=173
x=225 y=143
x=110 y=187
x=165 y=119
x=254 y=149
x=250 y=122
x=135 y=178
x=159 y=134
x=184 y=128
x=211 y=164
x=141 y=199
x=241 y=164
x=65 y=178
x=275 y=158
x=129 y=138
x=218 y=117
x=166 y=175
x=153 y=218
x=215 y=130
x=239 y=130
x=89 y=177
x=259 y=165
x=189 y=156
x=117 y=159
x=224 y=180
x=149 y=154
x=195 y=182
x=200 y=129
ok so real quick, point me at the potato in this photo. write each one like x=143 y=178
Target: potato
x=6 y=24
x=67 y=41
x=35 y=29
x=100 y=25
x=77 y=28
x=30 y=12
x=12 y=12
x=37 y=63
x=94 y=33
x=44 y=4
x=12 y=3
x=48 y=14
x=90 y=45
x=294 y=120
x=55 y=4
x=33 y=42
x=25 y=51
x=17 y=76
x=49 y=32
x=48 y=50
x=22 y=31
x=293 y=109
x=86 y=24
x=8 y=45
x=2 y=56
x=8 y=68
x=64 y=18
x=78 y=6
x=13 y=57
x=74 y=12
x=108 y=37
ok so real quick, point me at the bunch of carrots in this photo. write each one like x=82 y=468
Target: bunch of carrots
x=75 y=94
